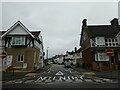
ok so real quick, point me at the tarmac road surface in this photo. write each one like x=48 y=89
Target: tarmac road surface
x=59 y=77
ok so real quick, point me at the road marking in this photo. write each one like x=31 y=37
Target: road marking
x=62 y=78
x=72 y=77
x=54 y=78
x=49 y=72
x=48 y=80
x=42 y=78
x=65 y=79
x=70 y=72
x=69 y=79
x=78 y=80
x=81 y=77
x=59 y=73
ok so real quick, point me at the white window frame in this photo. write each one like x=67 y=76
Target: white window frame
x=20 y=58
x=16 y=37
x=100 y=40
x=104 y=56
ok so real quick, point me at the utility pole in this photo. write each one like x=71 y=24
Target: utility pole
x=47 y=52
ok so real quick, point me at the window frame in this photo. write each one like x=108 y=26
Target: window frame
x=20 y=58
x=104 y=56
x=98 y=42
x=21 y=38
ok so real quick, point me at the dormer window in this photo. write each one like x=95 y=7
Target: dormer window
x=18 y=40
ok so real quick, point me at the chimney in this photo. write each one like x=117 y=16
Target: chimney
x=75 y=49
x=114 y=22
x=84 y=22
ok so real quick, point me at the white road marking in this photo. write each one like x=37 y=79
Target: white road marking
x=78 y=80
x=49 y=72
x=59 y=73
x=48 y=80
x=70 y=72
x=54 y=78
x=42 y=78
x=62 y=78
x=69 y=79
x=72 y=78
x=81 y=77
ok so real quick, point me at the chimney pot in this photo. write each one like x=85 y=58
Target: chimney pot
x=84 y=22
x=114 y=22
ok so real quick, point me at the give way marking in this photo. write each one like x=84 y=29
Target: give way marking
x=59 y=73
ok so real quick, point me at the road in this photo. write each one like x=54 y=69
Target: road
x=59 y=77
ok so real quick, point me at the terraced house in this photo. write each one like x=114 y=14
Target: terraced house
x=101 y=45
x=22 y=47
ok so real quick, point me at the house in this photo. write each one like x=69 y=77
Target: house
x=77 y=55
x=100 y=46
x=58 y=59
x=23 y=48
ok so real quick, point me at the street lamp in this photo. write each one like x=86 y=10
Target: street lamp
x=47 y=52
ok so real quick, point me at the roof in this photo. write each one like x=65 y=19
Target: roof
x=103 y=30
x=35 y=33
x=2 y=32
x=109 y=31
x=13 y=26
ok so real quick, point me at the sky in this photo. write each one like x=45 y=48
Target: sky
x=59 y=22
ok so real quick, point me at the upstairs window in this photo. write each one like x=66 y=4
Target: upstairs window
x=100 y=40
x=18 y=40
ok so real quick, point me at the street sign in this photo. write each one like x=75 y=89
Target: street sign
x=3 y=55
x=41 y=57
x=109 y=52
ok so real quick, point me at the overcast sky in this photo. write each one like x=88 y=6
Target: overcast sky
x=59 y=22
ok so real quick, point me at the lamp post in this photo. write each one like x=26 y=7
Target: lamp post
x=47 y=52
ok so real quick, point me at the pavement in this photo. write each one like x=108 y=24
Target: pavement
x=7 y=76
x=101 y=74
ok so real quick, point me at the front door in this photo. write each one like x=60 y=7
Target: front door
x=112 y=63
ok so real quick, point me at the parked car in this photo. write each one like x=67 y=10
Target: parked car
x=67 y=63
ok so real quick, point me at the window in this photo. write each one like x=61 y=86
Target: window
x=20 y=58
x=100 y=40
x=18 y=40
x=101 y=56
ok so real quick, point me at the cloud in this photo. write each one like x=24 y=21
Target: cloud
x=60 y=23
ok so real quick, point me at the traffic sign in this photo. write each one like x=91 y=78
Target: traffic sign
x=109 y=52
x=3 y=55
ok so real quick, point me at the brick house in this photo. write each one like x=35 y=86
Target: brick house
x=96 y=40
x=23 y=47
